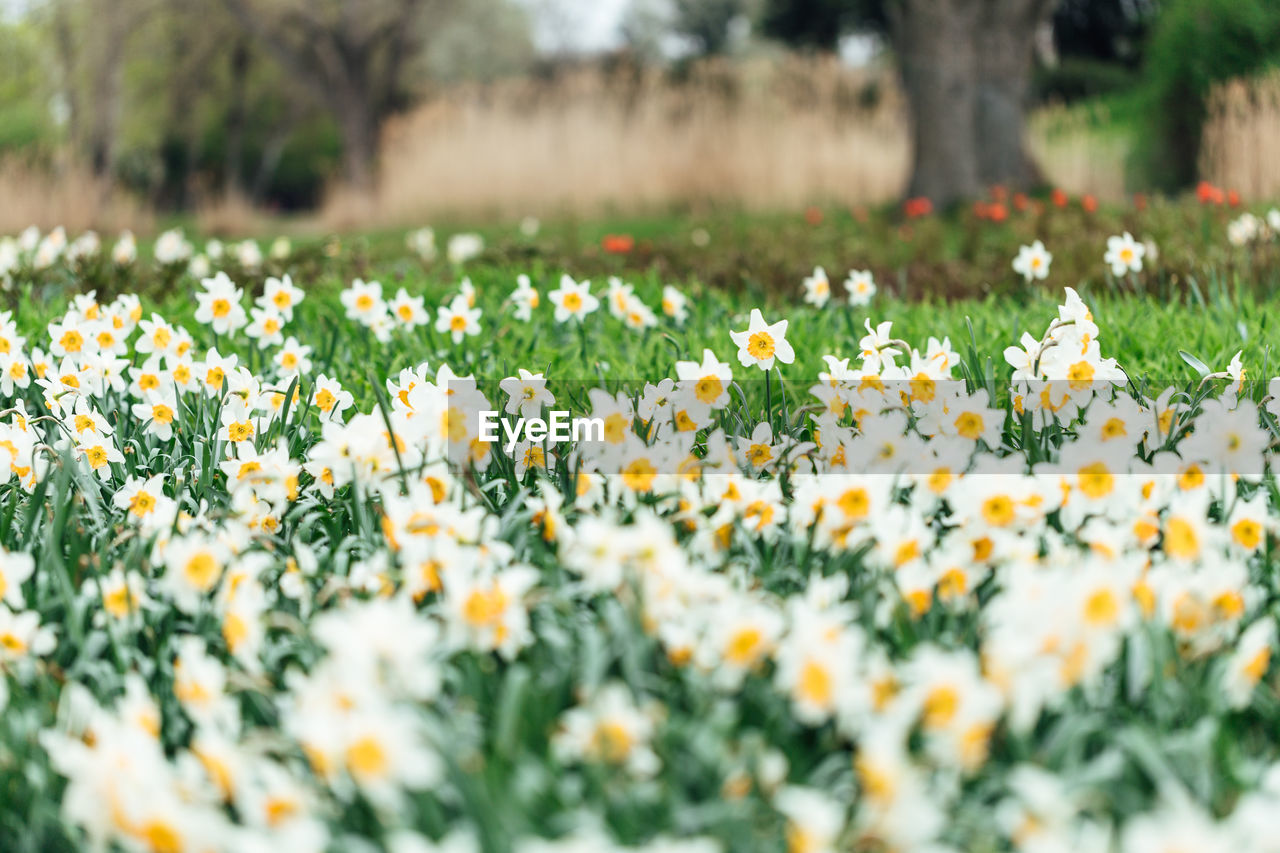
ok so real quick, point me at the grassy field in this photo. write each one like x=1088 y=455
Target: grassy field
x=997 y=576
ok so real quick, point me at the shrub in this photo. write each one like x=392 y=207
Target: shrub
x=1197 y=43
x=1075 y=79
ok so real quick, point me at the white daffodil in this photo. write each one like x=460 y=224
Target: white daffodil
x=762 y=344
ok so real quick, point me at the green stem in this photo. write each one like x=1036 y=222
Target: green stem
x=768 y=399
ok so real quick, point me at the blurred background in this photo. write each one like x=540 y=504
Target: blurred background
x=370 y=113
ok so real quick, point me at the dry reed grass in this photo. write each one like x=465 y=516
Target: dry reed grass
x=233 y=215
x=69 y=196
x=1077 y=151
x=1240 y=147
x=757 y=134
x=765 y=134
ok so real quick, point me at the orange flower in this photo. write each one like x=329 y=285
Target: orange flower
x=1021 y=203
x=1089 y=203
x=997 y=211
x=813 y=216
x=1207 y=193
x=914 y=208
x=1140 y=201
x=1233 y=198
x=1059 y=198
x=618 y=244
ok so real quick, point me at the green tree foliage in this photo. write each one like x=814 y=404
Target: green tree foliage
x=708 y=23
x=1111 y=31
x=26 y=120
x=178 y=102
x=1195 y=44
x=818 y=24
x=1099 y=46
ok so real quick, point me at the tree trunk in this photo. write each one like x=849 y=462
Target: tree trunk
x=273 y=151
x=182 y=141
x=937 y=55
x=236 y=117
x=1006 y=52
x=67 y=53
x=966 y=69
x=111 y=25
x=359 y=129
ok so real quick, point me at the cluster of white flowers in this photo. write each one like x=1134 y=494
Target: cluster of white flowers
x=1248 y=228
x=870 y=615
x=172 y=250
x=860 y=286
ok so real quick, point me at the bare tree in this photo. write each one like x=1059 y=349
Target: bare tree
x=91 y=38
x=351 y=55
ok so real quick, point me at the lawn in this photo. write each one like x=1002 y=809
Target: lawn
x=996 y=575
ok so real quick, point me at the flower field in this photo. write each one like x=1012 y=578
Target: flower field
x=837 y=571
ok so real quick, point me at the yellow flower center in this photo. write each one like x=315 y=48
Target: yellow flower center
x=611 y=741
x=969 y=425
x=1096 y=480
x=484 y=607
x=708 y=389
x=141 y=504
x=1180 y=539
x=940 y=705
x=366 y=757
x=1079 y=375
x=639 y=475
x=815 y=684
x=71 y=341
x=854 y=503
x=760 y=346
x=744 y=645
x=1247 y=533
x=161 y=837
x=1101 y=608
x=201 y=570
x=998 y=510
x=240 y=431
